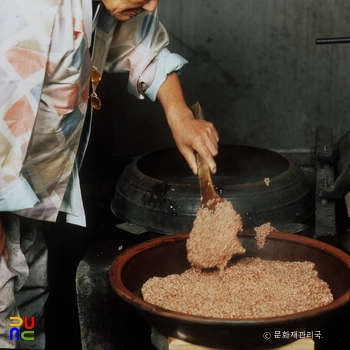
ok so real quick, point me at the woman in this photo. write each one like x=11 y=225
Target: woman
x=46 y=71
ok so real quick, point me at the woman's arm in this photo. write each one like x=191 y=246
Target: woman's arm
x=190 y=135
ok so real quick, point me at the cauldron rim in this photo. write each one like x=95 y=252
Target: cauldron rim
x=142 y=305
x=252 y=186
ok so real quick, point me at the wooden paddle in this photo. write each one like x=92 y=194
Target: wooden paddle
x=213 y=238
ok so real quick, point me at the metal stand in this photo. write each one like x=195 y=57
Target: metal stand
x=332 y=187
x=325 y=225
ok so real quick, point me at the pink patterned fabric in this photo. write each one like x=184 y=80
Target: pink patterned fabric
x=44 y=78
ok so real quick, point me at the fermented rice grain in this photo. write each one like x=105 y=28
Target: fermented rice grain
x=262 y=232
x=250 y=288
x=213 y=239
x=267 y=181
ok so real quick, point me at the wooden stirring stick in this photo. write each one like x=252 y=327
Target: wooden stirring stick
x=213 y=238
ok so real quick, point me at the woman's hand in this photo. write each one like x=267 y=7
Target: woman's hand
x=190 y=134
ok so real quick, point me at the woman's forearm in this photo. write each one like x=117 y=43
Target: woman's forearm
x=190 y=135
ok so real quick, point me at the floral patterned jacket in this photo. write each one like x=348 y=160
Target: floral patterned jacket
x=44 y=80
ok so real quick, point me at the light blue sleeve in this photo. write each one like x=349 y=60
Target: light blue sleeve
x=167 y=63
x=72 y=203
x=17 y=195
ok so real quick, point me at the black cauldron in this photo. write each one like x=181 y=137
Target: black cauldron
x=159 y=192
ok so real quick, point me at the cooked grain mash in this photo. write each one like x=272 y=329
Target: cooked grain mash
x=213 y=239
x=249 y=288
